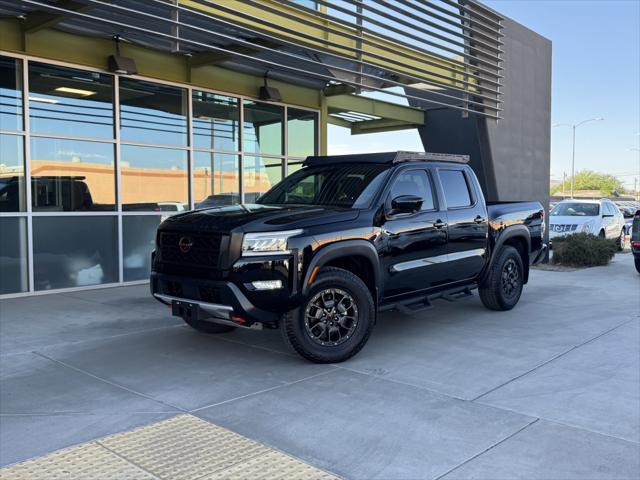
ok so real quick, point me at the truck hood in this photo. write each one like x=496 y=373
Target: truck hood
x=257 y=218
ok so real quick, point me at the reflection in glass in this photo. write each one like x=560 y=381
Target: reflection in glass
x=13 y=255
x=12 y=193
x=301 y=133
x=72 y=175
x=216 y=120
x=293 y=167
x=154 y=179
x=215 y=179
x=10 y=94
x=262 y=128
x=74 y=251
x=260 y=174
x=152 y=113
x=68 y=101
x=138 y=237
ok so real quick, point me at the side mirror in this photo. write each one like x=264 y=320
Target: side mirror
x=406 y=204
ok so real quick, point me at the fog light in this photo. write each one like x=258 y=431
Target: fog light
x=267 y=284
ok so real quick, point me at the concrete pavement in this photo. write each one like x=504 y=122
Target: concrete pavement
x=548 y=390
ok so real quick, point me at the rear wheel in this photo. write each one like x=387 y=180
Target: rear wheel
x=621 y=240
x=503 y=286
x=334 y=322
x=637 y=260
x=208 y=327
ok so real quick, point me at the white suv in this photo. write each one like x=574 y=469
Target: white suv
x=598 y=217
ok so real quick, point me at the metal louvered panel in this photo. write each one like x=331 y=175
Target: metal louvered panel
x=443 y=51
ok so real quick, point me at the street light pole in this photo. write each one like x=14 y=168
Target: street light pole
x=573 y=147
x=637 y=185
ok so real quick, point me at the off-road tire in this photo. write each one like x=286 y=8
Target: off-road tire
x=209 y=327
x=294 y=330
x=492 y=291
x=621 y=240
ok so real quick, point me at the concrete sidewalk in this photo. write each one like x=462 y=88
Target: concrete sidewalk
x=548 y=390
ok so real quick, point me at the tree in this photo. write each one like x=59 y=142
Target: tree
x=590 y=180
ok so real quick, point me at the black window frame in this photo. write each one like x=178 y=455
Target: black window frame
x=473 y=197
x=389 y=188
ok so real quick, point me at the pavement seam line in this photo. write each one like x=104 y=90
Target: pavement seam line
x=259 y=392
x=109 y=382
x=400 y=382
x=521 y=429
x=99 y=443
x=555 y=357
x=30 y=348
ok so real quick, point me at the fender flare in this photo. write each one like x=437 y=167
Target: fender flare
x=512 y=231
x=340 y=249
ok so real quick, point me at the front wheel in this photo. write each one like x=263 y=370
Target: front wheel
x=335 y=320
x=502 y=288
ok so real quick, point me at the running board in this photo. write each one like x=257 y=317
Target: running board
x=419 y=304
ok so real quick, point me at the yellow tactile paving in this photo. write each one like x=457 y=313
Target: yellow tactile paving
x=84 y=462
x=183 y=447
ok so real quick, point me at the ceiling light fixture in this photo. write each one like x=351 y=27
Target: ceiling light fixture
x=75 y=91
x=43 y=100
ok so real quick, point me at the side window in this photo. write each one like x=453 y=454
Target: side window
x=414 y=182
x=608 y=209
x=456 y=189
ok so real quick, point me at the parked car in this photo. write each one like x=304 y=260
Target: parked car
x=635 y=239
x=598 y=217
x=341 y=239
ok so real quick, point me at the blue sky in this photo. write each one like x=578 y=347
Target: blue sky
x=596 y=73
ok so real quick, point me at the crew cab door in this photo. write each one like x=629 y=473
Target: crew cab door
x=468 y=223
x=415 y=242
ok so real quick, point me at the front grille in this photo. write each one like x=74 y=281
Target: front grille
x=193 y=250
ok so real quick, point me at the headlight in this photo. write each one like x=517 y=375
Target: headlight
x=588 y=227
x=267 y=243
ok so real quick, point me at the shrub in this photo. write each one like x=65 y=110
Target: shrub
x=582 y=250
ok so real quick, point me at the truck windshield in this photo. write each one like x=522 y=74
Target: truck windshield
x=348 y=186
x=571 y=209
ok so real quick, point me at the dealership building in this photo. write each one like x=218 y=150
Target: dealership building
x=115 y=114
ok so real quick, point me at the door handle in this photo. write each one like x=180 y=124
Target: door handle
x=479 y=219
x=439 y=224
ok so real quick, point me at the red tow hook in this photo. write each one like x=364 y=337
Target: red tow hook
x=237 y=319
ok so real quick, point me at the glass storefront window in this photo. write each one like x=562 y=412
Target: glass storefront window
x=216 y=120
x=293 y=167
x=138 y=237
x=71 y=102
x=154 y=179
x=263 y=128
x=72 y=175
x=74 y=251
x=260 y=174
x=301 y=132
x=215 y=179
x=152 y=113
x=13 y=255
x=10 y=94
x=12 y=192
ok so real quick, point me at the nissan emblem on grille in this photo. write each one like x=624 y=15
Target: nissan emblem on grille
x=185 y=244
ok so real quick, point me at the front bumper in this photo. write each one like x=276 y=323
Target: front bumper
x=205 y=300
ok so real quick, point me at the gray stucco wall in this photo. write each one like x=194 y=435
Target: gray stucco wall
x=511 y=156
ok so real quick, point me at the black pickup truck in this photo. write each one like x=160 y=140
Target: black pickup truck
x=341 y=239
